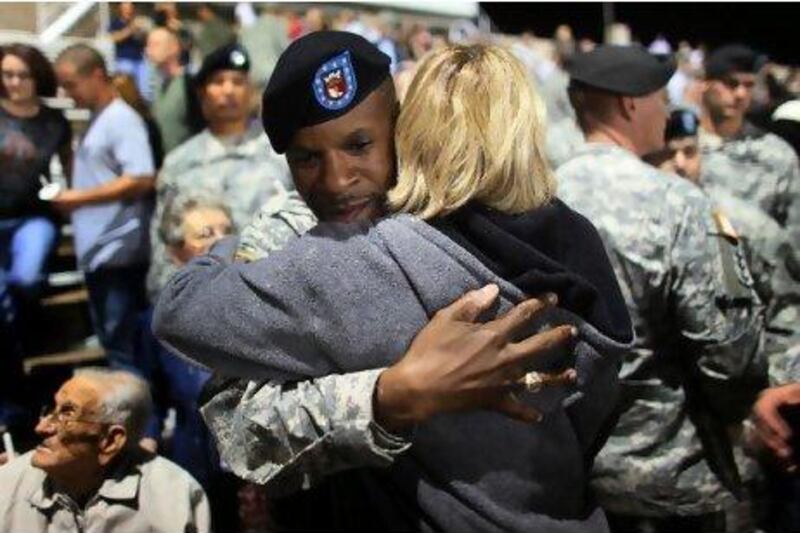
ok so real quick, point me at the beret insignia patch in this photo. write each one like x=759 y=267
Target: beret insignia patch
x=334 y=83
x=237 y=58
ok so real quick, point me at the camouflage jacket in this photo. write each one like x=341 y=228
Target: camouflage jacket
x=290 y=435
x=758 y=167
x=698 y=324
x=244 y=171
x=564 y=136
x=773 y=261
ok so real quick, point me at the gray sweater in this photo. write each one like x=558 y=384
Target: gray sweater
x=346 y=298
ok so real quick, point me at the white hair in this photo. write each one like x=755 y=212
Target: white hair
x=126 y=399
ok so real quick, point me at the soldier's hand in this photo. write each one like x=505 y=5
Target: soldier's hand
x=454 y=364
x=772 y=430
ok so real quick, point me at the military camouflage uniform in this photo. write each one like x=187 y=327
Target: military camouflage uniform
x=762 y=169
x=698 y=325
x=244 y=172
x=757 y=167
x=290 y=436
x=564 y=136
x=278 y=221
x=773 y=260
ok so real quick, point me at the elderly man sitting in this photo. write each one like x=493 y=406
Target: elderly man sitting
x=89 y=473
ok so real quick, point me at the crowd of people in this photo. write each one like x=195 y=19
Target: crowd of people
x=388 y=277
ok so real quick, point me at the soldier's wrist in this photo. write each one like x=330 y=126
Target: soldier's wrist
x=395 y=405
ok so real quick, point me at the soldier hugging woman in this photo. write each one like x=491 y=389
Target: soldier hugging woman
x=493 y=440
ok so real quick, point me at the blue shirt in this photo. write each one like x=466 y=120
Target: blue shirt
x=112 y=234
x=131 y=48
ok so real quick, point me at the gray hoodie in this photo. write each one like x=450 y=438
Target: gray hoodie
x=352 y=297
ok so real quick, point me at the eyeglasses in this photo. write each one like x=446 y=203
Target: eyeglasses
x=9 y=75
x=64 y=415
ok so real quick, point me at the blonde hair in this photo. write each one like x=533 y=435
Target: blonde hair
x=471 y=128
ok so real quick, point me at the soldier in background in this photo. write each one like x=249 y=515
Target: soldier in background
x=698 y=327
x=754 y=165
x=771 y=255
x=231 y=159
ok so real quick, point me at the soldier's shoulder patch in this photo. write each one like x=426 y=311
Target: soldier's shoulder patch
x=725 y=227
x=736 y=270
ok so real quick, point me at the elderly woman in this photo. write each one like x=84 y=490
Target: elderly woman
x=190 y=225
x=475 y=204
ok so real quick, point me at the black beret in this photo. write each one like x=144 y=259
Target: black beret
x=319 y=77
x=732 y=58
x=626 y=70
x=228 y=57
x=681 y=123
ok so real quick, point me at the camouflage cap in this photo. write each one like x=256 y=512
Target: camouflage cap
x=626 y=70
x=318 y=78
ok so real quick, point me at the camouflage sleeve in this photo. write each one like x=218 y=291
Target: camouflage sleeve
x=282 y=218
x=718 y=312
x=289 y=437
x=793 y=209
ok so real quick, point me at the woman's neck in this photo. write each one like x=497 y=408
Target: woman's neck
x=25 y=109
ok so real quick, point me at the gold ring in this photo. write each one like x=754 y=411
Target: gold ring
x=533 y=381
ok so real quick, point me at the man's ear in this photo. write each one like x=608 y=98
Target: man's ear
x=112 y=443
x=626 y=106
x=99 y=75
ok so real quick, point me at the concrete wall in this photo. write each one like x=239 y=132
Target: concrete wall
x=19 y=16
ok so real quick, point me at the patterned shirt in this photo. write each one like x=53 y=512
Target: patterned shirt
x=697 y=322
x=244 y=171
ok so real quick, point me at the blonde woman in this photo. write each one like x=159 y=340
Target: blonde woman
x=475 y=204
